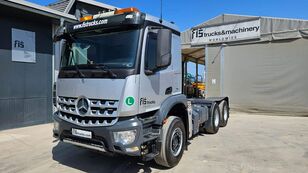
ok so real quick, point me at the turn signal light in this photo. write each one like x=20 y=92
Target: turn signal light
x=126 y=10
x=85 y=18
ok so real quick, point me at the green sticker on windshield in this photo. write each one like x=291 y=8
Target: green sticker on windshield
x=129 y=101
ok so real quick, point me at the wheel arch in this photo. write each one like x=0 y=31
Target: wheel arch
x=176 y=106
x=180 y=110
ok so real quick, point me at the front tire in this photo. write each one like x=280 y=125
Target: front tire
x=173 y=142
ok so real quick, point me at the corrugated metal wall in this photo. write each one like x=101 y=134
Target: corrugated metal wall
x=268 y=77
x=213 y=65
x=25 y=88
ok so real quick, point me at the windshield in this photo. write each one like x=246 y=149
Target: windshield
x=114 y=50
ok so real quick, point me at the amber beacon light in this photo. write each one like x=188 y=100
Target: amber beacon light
x=126 y=10
x=85 y=18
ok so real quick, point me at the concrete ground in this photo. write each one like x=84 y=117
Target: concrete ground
x=250 y=143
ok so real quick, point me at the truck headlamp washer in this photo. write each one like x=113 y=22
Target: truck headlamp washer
x=82 y=106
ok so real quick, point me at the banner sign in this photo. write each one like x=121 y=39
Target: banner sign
x=226 y=33
x=23 y=46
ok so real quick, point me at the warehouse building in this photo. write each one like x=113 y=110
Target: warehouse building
x=259 y=62
x=29 y=59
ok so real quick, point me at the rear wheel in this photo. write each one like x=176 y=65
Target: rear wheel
x=224 y=113
x=212 y=125
x=173 y=142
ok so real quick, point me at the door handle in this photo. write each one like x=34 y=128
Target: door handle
x=168 y=91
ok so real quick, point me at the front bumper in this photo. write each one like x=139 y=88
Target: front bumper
x=102 y=137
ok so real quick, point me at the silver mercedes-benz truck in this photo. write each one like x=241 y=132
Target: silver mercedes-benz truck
x=120 y=89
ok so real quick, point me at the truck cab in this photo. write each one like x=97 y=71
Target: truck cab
x=119 y=89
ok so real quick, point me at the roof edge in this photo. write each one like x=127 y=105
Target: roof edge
x=249 y=16
x=265 y=17
x=35 y=8
x=69 y=6
x=188 y=29
x=99 y=4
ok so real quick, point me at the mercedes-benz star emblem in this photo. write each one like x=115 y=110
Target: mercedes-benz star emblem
x=82 y=106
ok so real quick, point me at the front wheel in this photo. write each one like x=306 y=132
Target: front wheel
x=173 y=142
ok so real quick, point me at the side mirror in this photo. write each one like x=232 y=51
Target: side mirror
x=163 y=58
x=59 y=34
x=57 y=38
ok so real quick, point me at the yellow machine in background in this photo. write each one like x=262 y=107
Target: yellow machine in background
x=199 y=85
x=194 y=87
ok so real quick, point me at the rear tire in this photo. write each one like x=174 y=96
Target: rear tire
x=212 y=125
x=224 y=113
x=173 y=142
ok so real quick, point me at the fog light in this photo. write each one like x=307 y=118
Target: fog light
x=125 y=137
x=55 y=126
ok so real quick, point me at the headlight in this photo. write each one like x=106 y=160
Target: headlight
x=125 y=137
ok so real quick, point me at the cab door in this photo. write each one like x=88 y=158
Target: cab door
x=155 y=82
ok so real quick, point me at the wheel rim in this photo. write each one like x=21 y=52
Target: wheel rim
x=176 y=143
x=225 y=113
x=216 y=115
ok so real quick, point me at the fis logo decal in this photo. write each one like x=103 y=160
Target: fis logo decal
x=144 y=101
x=19 y=44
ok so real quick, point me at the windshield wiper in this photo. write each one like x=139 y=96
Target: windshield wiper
x=79 y=72
x=76 y=65
x=105 y=68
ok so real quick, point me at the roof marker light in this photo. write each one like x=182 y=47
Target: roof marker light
x=126 y=10
x=85 y=18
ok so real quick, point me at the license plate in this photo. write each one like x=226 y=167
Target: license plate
x=82 y=133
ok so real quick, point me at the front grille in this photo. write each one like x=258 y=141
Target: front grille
x=101 y=112
x=88 y=121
